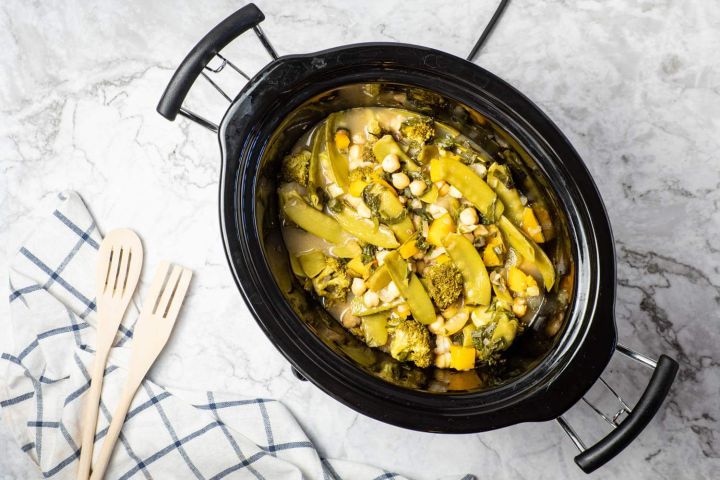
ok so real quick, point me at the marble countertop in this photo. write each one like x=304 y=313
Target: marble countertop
x=635 y=85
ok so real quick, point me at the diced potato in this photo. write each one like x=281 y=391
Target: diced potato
x=462 y=358
x=439 y=229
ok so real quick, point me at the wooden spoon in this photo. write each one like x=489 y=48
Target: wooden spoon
x=151 y=333
x=118 y=269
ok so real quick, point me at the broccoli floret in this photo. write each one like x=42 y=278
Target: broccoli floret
x=417 y=131
x=445 y=283
x=410 y=342
x=496 y=333
x=333 y=282
x=296 y=167
x=362 y=173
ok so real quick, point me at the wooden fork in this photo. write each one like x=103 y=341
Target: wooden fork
x=119 y=263
x=151 y=333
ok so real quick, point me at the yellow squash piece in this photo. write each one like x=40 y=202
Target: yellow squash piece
x=439 y=229
x=374 y=328
x=455 y=323
x=517 y=280
x=462 y=358
x=356 y=187
x=410 y=288
x=430 y=196
x=476 y=282
x=531 y=225
x=491 y=257
x=409 y=249
x=379 y=279
x=357 y=268
x=312 y=262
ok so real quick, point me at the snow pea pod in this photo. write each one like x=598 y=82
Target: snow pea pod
x=476 y=281
x=338 y=161
x=411 y=289
x=469 y=183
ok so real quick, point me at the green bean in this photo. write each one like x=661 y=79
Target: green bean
x=469 y=183
x=476 y=281
x=411 y=288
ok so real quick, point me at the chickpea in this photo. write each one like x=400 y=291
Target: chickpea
x=371 y=299
x=400 y=180
x=391 y=163
x=469 y=216
x=358 y=286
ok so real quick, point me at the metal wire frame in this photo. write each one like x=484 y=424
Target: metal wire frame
x=624 y=407
x=224 y=63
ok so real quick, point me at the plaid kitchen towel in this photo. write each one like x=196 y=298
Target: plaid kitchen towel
x=178 y=434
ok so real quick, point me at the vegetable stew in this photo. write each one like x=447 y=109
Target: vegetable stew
x=415 y=238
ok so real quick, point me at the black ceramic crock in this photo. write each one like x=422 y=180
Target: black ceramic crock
x=293 y=93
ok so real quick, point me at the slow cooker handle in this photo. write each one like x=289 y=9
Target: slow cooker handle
x=623 y=434
x=196 y=61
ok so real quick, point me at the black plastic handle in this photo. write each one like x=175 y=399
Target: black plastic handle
x=225 y=32
x=646 y=408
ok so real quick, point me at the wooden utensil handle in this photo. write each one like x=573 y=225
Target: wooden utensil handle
x=118 y=419
x=90 y=414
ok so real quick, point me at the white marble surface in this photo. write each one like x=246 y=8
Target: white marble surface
x=635 y=85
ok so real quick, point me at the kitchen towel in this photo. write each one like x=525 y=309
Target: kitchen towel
x=167 y=434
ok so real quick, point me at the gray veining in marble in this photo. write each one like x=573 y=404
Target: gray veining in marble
x=635 y=85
